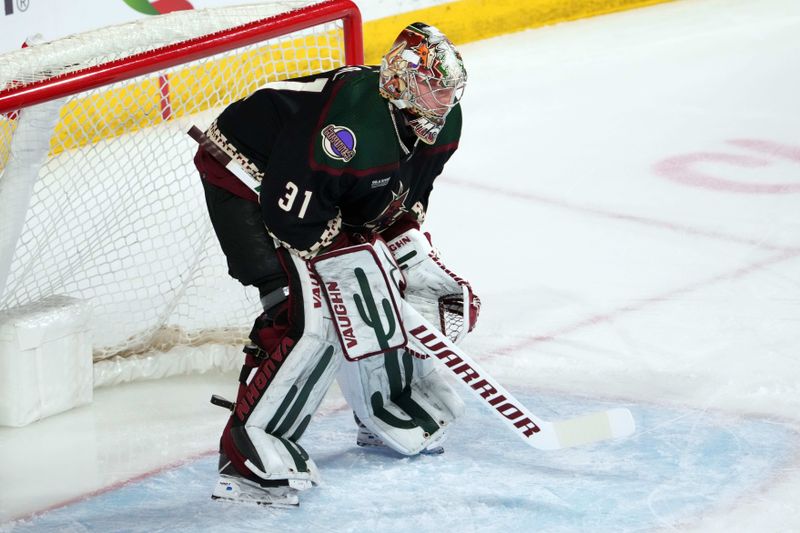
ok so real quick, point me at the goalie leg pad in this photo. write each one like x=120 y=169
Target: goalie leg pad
x=261 y=438
x=401 y=399
x=286 y=374
x=266 y=460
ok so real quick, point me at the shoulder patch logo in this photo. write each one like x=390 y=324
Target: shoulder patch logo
x=339 y=142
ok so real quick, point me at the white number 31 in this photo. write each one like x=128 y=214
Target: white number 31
x=288 y=199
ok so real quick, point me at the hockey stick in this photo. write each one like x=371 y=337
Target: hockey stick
x=224 y=159
x=541 y=434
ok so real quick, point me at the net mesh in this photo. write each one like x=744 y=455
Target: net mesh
x=118 y=215
x=451 y=315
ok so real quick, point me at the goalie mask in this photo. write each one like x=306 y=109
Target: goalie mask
x=424 y=74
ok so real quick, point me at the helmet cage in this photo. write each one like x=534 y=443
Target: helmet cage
x=434 y=96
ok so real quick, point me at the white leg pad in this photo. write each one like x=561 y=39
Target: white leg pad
x=303 y=377
x=407 y=419
x=282 y=459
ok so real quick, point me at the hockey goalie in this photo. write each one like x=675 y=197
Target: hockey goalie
x=317 y=188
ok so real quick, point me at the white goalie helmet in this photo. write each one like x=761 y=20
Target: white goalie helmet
x=423 y=73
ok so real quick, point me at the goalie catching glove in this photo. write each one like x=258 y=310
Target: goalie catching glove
x=435 y=291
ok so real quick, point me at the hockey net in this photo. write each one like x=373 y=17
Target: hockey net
x=99 y=198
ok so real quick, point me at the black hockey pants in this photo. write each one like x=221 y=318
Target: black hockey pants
x=249 y=249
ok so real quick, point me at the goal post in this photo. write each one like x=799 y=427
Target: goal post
x=100 y=202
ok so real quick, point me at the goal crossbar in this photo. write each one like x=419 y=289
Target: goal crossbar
x=71 y=83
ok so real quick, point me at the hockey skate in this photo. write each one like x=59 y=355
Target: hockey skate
x=367 y=439
x=232 y=486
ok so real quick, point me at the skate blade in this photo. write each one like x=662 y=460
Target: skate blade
x=243 y=491
x=435 y=450
x=261 y=503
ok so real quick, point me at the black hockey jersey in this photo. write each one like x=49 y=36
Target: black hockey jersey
x=331 y=154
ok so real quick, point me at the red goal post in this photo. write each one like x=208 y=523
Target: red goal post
x=99 y=199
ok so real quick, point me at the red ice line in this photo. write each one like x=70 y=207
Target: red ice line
x=783 y=151
x=109 y=488
x=139 y=477
x=645 y=221
x=611 y=316
x=684 y=169
x=787 y=253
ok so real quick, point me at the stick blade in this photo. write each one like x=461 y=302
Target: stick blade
x=603 y=425
x=622 y=422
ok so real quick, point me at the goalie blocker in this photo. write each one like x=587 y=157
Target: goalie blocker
x=434 y=290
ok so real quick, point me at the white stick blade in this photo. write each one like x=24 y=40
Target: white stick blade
x=622 y=422
x=611 y=424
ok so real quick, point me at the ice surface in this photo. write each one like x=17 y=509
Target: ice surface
x=625 y=201
x=679 y=463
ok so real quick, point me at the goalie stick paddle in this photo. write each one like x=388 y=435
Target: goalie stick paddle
x=541 y=434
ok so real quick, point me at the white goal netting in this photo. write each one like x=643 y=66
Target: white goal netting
x=100 y=199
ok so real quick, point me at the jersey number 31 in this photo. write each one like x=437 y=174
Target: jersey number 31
x=287 y=202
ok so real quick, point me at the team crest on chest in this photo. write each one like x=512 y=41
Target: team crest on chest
x=339 y=142
x=391 y=212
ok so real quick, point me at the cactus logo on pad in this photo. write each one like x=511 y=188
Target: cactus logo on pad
x=159 y=7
